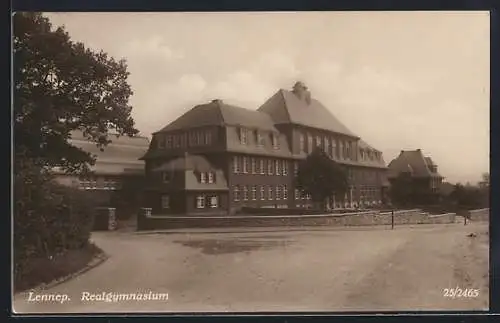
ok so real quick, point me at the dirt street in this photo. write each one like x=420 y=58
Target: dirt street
x=343 y=269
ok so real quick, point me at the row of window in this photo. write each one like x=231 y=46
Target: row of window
x=336 y=148
x=253 y=165
x=202 y=201
x=261 y=192
x=258 y=137
x=186 y=139
x=203 y=177
x=94 y=184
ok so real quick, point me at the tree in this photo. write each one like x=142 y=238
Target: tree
x=321 y=177
x=402 y=190
x=61 y=86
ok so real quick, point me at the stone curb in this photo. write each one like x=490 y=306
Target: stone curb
x=96 y=261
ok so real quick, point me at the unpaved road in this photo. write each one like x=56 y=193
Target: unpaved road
x=371 y=269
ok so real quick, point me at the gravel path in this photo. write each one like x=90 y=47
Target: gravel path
x=370 y=269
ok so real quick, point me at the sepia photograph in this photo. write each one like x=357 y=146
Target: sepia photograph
x=250 y=162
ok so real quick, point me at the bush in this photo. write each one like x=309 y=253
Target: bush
x=48 y=218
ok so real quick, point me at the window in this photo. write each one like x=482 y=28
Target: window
x=211 y=177
x=262 y=167
x=161 y=141
x=262 y=193
x=177 y=141
x=243 y=136
x=203 y=177
x=236 y=193
x=245 y=165
x=302 y=141
x=191 y=139
x=245 y=193
x=278 y=192
x=199 y=138
x=183 y=140
x=166 y=177
x=340 y=150
x=168 y=141
x=297 y=194
x=110 y=184
x=334 y=148
x=274 y=140
x=295 y=168
x=214 y=201
x=208 y=138
x=236 y=165
x=285 y=192
x=270 y=192
x=284 y=168
x=318 y=141
x=259 y=138
x=165 y=202
x=277 y=167
x=309 y=143
x=308 y=196
x=200 y=202
x=254 y=165
x=269 y=167
x=254 y=193
x=362 y=154
x=326 y=146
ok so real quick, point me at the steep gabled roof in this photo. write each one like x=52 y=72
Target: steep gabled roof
x=121 y=156
x=218 y=113
x=286 y=107
x=375 y=162
x=412 y=161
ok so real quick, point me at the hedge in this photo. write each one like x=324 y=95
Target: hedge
x=49 y=218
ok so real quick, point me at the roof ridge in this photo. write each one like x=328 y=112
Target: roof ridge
x=281 y=91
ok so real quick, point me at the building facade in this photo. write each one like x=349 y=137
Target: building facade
x=421 y=170
x=217 y=158
x=118 y=165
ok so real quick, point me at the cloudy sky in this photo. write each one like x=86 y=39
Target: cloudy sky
x=400 y=80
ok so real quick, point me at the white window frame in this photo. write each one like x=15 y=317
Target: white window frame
x=165 y=202
x=309 y=143
x=284 y=167
x=253 y=165
x=236 y=193
x=297 y=194
x=236 y=165
x=200 y=201
x=243 y=136
x=285 y=192
x=270 y=193
x=211 y=177
x=275 y=140
x=278 y=192
x=318 y=141
x=277 y=167
x=203 y=177
x=245 y=165
x=211 y=201
x=262 y=166
x=254 y=192
x=245 y=193
x=262 y=193
x=270 y=166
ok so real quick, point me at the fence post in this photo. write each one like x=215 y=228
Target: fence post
x=392 y=219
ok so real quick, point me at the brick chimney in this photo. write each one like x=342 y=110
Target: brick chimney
x=301 y=91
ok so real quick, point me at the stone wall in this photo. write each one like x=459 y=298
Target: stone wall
x=479 y=215
x=368 y=218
